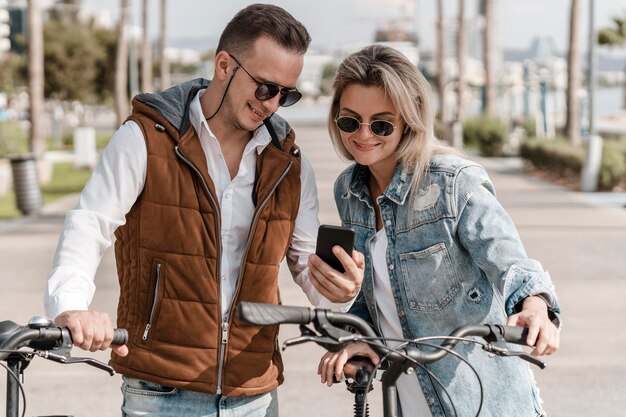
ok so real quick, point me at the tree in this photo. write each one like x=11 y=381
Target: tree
x=73 y=59
x=572 y=121
x=65 y=11
x=104 y=82
x=460 y=54
x=146 y=51
x=121 y=65
x=615 y=36
x=35 y=79
x=163 y=60
x=441 y=71
x=489 y=51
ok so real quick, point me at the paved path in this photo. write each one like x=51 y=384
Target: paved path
x=578 y=240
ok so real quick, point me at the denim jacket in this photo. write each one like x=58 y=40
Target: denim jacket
x=454 y=258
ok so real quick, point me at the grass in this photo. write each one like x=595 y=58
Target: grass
x=65 y=180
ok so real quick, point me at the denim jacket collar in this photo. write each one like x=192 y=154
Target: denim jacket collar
x=398 y=188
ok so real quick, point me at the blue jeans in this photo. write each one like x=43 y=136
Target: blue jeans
x=143 y=398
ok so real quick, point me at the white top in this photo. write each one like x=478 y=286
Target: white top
x=412 y=400
x=117 y=181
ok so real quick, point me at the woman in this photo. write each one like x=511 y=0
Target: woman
x=440 y=251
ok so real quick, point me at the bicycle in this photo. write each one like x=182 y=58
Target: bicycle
x=334 y=330
x=46 y=341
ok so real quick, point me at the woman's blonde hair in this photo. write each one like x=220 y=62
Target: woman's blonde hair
x=385 y=67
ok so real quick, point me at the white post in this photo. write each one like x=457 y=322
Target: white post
x=591 y=167
x=457 y=134
x=85 y=155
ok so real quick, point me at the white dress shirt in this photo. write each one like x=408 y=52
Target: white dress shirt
x=115 y=185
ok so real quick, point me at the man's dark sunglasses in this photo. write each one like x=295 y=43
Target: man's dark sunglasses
x=266 y=91
x=349 y=124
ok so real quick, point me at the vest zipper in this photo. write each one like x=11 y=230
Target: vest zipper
x=226 y=323
x=155 y=297
x=218 y=228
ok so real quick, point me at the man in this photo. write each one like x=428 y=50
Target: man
x=206 y=192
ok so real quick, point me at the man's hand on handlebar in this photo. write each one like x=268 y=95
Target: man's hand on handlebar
x=542 y=333
x=336 y=286
x=337 y=363
x=91 y=330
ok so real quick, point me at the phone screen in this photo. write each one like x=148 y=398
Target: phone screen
x=329 y=236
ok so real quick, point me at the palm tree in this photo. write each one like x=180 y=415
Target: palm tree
x=572 y=122
x=146 y=51
x=615 y=36
x=164 y=63
x=460 y=53
x=441 y=71
x=121 y=65
x=35 y=79
x=489 y=50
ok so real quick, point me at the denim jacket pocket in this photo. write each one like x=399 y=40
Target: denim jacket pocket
x=429 y=278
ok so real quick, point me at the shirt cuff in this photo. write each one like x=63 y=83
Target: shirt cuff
x=342 y=307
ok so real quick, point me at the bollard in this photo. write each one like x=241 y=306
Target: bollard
x=85 y=152
x=27 y=192
x=591 y=165
x=457 y=135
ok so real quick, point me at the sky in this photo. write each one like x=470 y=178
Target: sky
x=332 y=22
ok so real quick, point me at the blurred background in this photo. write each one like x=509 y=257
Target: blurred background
x=536 y=79
x=534 y=90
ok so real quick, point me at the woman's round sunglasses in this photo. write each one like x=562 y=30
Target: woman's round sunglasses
x=266 y=91
x=349 y=124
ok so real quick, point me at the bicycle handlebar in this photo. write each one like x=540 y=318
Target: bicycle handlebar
x=14 y=336
x=269 y=314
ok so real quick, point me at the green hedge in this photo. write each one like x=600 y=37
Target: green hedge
x=558 y=157
x=613 y=166
x=489 y=134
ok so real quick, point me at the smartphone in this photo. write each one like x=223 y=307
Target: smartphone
x=329 y=236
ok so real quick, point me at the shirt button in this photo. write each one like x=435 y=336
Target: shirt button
x=224 y=277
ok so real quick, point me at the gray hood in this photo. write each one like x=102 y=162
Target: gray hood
x=173 y=105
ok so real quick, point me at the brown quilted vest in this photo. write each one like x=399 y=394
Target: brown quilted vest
x=168 y=262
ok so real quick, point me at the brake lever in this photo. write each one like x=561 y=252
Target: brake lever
x=67 y=360
x=528 y=358
x=308 y=335
x=93 y=362
x=497 y=350
x=320 y=340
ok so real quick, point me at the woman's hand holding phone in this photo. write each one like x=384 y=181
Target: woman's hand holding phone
x=335 y=247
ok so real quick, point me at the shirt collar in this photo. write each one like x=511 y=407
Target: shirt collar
x=398 y=188
x=261 y=137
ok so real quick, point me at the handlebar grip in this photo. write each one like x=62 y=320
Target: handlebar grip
x=267 y=314
x=515 y=334
x=120 y=337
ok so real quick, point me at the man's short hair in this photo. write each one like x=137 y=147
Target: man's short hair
x=258 y=20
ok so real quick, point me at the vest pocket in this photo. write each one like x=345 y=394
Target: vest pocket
x=157 y=271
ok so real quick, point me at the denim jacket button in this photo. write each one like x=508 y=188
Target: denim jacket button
x=391 y=267
x=388 y=223
x=431 y=400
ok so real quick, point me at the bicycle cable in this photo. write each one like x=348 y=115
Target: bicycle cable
x=16 y=378
x=423 y=342
x=423 y=368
